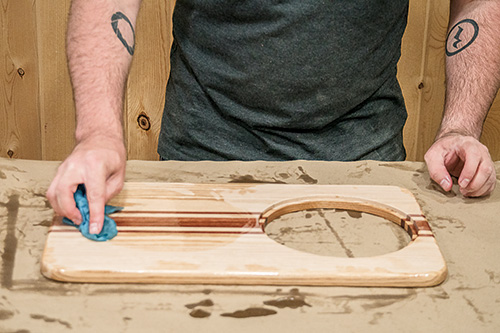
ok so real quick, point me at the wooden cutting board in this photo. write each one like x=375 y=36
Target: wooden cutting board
x=213 y=234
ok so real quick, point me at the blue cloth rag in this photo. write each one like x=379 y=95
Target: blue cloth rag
x=109 y=227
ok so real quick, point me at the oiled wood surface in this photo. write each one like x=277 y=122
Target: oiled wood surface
x=208 y=233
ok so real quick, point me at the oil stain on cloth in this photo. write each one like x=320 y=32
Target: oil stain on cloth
x=109 y=227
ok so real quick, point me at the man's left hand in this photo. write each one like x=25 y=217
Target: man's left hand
x=463 y=157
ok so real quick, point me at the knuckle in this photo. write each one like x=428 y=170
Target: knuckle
x=493 y=186
x=488 y=170
x=94 y=159
x=72 y=165
x=66 y=212
x=434 y=174
x=470 y=193
x=118 y=188
x=430 y=154
x=95 y=195
x=50 y=194
x=492 y=181
x=97 y=218
x=472 y=152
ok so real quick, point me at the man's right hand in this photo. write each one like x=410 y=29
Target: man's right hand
x=99 y=163
x=100 y=43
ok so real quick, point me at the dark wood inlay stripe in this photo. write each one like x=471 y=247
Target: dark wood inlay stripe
x=421 y=226
x=254 y=231
x=188 y=222
x=407 y=225
x=126 y=211
x=199 y=221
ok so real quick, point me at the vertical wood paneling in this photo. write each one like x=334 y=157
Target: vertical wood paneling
x=433 y=77
x=148 y=77
x=19 y=117
x=57 y=112
x=410 y=72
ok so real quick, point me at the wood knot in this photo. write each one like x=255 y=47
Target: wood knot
x=21 y=72
x=144 y=122
x=10 y=153
x=421 y=85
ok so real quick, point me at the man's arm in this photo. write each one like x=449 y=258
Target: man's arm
x=473 y=79
x=100 y=45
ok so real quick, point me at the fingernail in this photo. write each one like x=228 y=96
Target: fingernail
x=464 y=182
x=93 y=229
x=445 y=183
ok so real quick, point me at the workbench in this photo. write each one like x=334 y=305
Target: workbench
x=466 y=231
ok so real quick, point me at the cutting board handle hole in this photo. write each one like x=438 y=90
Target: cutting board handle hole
x=339 y=227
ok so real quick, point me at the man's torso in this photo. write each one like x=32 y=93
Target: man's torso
x=277 y=80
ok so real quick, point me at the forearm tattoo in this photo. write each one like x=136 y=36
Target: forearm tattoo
x=115 y=20
x=461 y=36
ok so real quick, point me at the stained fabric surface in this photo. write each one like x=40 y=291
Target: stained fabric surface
x=108 y=231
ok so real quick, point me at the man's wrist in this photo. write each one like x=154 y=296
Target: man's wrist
x=448 y=133
x=99 y=136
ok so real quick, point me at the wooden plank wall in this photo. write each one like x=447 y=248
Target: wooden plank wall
x=421 y=73
x=19 y=113
x=37 y=112
x=56 y=98
x=148 y=78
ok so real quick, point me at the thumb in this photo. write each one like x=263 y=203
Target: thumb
x=438 y=171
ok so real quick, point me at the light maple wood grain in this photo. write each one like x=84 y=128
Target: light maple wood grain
x=213 y=234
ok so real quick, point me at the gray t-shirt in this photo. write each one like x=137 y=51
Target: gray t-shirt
x=285 y=79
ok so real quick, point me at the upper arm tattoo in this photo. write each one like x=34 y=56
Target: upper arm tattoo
x=115 y=19
x=461 y=36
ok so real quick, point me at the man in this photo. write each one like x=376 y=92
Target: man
x=276 y=80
